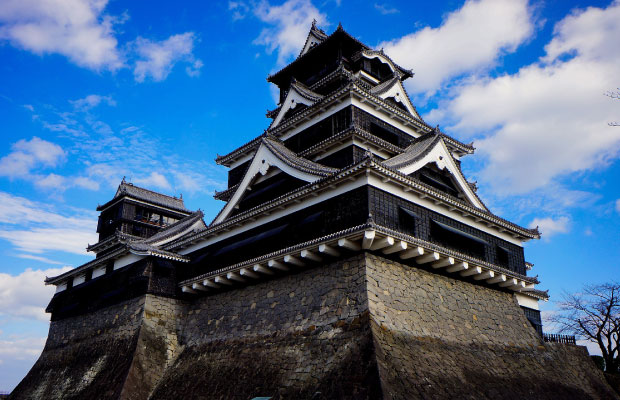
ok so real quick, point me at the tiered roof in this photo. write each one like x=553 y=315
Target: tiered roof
x=127 y=189
x=268 y=161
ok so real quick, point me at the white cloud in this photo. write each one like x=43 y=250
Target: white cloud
x=41 y=229
x=158 y=58
x=20 y=348
x=92 y=101
x=102 y=154
x=469 y=40
x=192 y=182
x=30 y=154
x=51 y=181
x=40 y=240
x=187 y=182
x=239 y=9
x=26 y=295
x=193 y=70
x=84 y=33
x=155 y=179
x=618 y=205
x=39 y=258
x=550 y=118
x=550 y=227
x=291 y=22
x=85 y=183
x=77 y=29
x=385 y=9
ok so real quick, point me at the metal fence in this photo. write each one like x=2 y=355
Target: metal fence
x=555 y=338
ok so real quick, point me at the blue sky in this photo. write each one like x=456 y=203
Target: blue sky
x=91 y=91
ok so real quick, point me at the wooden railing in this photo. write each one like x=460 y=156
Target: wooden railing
x=555 y=338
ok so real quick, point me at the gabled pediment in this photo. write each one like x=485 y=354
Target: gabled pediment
x=271 y=154
x=430 y=149
x=298 y=93
x=314 y=38
x=393 y=89
x=383 y=58
x=188 y=225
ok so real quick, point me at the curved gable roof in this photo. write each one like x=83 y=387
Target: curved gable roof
x=431 y=148
x=384 y=58
x=298 y=93
x=315 y=37
x=393 y=88
x=273 y=153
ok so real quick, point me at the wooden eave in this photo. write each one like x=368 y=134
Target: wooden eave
x=112 y=240
x=367 y=237
x=349 y=133
x=91 y=264
x=123 y=251
x=225 y=194
x=136 y=200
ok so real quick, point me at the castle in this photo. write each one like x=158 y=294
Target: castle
x=352 y=259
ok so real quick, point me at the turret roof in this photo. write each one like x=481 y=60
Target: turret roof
x=149 y=196
x=152 y=246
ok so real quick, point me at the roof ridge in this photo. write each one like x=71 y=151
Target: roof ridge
x=129 y=184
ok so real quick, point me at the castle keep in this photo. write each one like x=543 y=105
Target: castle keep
x=352 y=259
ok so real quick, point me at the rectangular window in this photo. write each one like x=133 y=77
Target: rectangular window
x=457 y=239
x=408 y=221
x=503 y=256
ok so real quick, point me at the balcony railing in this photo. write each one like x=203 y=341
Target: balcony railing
x=555 y=338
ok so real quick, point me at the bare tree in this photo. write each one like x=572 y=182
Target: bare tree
x=594 y=315
x=614 y=95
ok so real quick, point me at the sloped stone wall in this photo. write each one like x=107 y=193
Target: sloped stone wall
x=157 y=346
x=86 y=357
x=289 y=338
x=442 y=338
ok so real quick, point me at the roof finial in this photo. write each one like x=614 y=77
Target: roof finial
x=181 y=196
x=340 y=28
x=314 y=23
x=123 y=181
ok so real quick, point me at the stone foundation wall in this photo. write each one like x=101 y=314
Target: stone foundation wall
x=157 y=346
x=359 y=328
x=86 y=357
x=288 y=338
x=441 y=338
